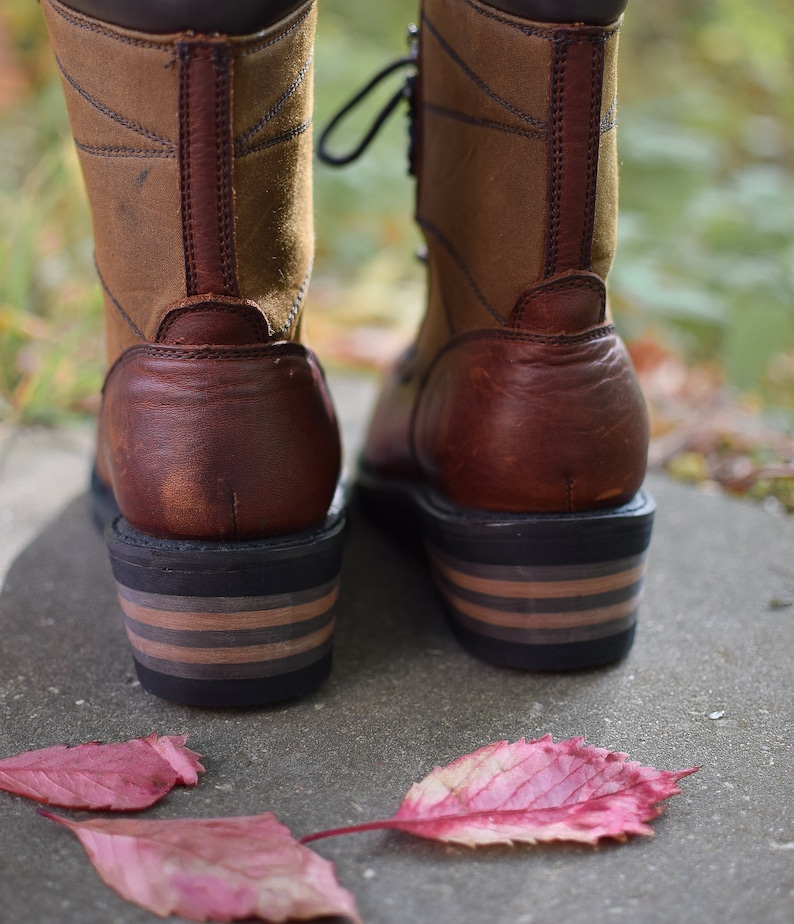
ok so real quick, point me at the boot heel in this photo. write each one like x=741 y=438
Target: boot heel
x=541 y=592
x=229 y=623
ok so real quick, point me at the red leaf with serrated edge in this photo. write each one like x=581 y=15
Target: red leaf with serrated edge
x=121 y=777
x=218 y=869
x=532 y=791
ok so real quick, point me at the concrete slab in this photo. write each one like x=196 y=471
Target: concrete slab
x=40 y=469
x=709 y=682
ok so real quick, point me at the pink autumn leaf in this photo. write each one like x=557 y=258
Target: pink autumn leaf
x=185 y=763
x=217 y=869
x=127 y=776
x=532 y=791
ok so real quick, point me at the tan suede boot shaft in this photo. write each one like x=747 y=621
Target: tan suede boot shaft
x=196 y=152
x=518 y=395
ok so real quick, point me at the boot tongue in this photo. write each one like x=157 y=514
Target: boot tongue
x=216 y=321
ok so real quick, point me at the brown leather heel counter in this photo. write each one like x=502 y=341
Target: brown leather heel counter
x=220 y=442
x=528 y=423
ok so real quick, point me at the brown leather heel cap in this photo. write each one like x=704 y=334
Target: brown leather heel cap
x=214 y=443
x=534 y=424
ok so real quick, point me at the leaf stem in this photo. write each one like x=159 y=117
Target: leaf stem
x=47 y=814
x=351 y=829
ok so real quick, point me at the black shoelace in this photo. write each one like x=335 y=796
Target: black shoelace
x=406 y=92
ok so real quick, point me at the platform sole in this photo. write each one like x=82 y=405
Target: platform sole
x=229 y=623
x=531 y=591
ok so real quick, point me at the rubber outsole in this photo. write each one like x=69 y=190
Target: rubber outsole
x=222 y=624
x=529 y=591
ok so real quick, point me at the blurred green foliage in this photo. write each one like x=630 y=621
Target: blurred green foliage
x=706 y=253
x=51 y=352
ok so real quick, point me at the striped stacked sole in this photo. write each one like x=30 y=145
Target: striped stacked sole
x=531 y=591
x=229 y=624
x=543 y=617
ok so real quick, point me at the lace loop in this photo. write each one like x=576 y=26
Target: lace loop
x=406 y=92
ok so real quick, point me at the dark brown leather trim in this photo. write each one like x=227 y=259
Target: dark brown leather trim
x=206 y=163
x=554 y=141
x=573 y=142
x=216 y=320
x=563 y=305
x=593 y=143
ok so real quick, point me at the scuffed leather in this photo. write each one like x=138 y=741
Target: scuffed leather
x=522 y=423
x=219 y=442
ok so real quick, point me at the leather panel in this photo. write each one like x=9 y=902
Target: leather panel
x=573 y=139
x=482 y=164
x=567 y=304
x=220 y=443
x=205 y=165
x=606 y=207
x=213 y=320
x=165 y=125
x=525 y=423
x=512 y=184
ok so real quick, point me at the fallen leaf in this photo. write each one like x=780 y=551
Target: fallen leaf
x=532 y=791
x=218 y=869
x=184 y=762
x=127 y=776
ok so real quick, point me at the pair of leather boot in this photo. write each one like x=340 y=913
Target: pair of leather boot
x=512 y=435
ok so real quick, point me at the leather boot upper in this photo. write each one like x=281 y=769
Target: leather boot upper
x=518 y=394
x=196 y=152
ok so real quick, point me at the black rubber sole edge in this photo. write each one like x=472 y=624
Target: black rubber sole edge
x=228 y=694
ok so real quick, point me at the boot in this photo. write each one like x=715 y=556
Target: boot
x=513 y=434
x=218 y=442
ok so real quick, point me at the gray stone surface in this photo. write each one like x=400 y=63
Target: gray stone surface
x=40 y=469
x=715 y=640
